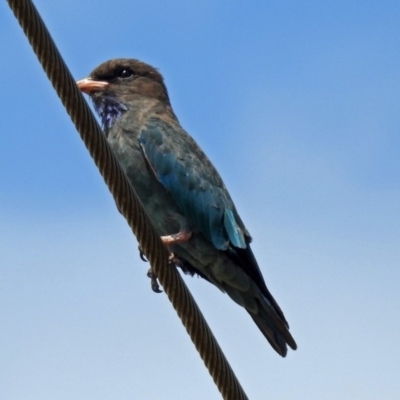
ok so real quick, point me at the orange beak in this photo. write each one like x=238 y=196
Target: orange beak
x=89 y=86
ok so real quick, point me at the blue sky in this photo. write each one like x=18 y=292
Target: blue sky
x=297 y=104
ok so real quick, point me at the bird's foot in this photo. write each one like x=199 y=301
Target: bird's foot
x=154 y=282
x=172 y=260
x=179 y=237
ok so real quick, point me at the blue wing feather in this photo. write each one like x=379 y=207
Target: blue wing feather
x=234 y=232
x=185 y=171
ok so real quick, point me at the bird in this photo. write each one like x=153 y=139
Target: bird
x=181 y=190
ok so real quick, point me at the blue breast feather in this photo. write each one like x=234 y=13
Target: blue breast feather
x=185 y=171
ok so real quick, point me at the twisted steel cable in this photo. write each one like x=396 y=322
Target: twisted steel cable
x=126 y=199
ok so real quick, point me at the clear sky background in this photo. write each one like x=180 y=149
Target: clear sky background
x=298 y=105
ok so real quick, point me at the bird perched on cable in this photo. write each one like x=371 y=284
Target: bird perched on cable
x=180 y=189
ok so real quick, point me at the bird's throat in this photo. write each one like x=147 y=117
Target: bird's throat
x=109 y=111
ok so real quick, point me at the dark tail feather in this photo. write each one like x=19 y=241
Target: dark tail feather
x=275 y=330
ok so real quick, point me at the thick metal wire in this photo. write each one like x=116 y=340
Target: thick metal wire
x=126 y=200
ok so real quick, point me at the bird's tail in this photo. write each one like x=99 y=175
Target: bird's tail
x=274 y=328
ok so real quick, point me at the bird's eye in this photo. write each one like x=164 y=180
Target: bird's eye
x=125 y=73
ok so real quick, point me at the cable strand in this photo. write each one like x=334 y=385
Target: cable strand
x=126 y=199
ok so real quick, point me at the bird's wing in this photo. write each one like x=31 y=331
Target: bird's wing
x=198 y=190
x=196 y=187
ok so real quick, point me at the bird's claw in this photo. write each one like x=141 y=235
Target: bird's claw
x=172 y=260
x=154 y=282
x=141 y=255
x=153 y=279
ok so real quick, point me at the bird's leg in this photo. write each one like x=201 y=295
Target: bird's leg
x=179 y=237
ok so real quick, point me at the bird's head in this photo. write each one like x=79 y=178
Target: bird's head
x=117 y=85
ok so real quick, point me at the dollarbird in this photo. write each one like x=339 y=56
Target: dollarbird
x=181 y=190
